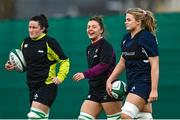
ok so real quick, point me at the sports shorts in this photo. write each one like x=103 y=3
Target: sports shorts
x=100 y=96
x=141 y=88
x=43 y=93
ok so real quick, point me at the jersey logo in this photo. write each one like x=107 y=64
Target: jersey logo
x=95 y=53
x=133 y=88
x=89 y=96
x=35 y=96
x=25 y=45
x=40 y=51
x=95 y=56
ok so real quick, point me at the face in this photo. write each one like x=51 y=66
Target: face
x=94 y=30
x=34 y=29
x=131 y=23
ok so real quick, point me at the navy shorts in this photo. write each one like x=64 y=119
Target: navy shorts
x=141 y=88
x=43 y=93
x=100 y=96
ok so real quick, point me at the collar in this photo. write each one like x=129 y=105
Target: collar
x=38 y=38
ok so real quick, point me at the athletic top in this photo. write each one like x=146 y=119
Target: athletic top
x=136 y=51
x=101 y=62
x=41 y=56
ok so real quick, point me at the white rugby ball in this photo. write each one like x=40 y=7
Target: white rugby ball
x=17 y=59
x=119 y=89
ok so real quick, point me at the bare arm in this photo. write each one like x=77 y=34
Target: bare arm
x=120 y=67
x=154 y=62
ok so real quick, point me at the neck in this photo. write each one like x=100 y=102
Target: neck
x=135 y=31
x=95 y=40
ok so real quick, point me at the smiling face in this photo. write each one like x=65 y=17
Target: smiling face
x=34 y=29
x=131 y=23
x=94 y=30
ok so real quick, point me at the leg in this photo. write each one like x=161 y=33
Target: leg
x=146 y=112
x=132 y=106
x=38 y=111
x=112 y=109
x=89 y=110
x=42 y=99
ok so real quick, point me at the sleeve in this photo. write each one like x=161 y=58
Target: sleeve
x=57 y=53
x=150 y=45
x=106 y=57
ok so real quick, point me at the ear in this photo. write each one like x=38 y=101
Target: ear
x=43 y=29
x=139 y=22
x=102 y=31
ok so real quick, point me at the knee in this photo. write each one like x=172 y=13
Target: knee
x=85 y=116
x=144 y=115
x=37 y=114
x=129 y=111
x=125 y=116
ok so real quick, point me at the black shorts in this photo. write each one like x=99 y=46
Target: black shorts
x=43 y=93
x=100 y=96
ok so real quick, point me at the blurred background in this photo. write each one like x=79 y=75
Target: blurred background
x=22 y=9
x=67 y=21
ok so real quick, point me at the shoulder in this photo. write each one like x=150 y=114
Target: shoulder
x=147 y=34
x=147 y=39
x=27 y=38
x=50 y=40
x=126 y=36
x=106 y=45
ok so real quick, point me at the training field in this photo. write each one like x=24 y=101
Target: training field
x=71 y=33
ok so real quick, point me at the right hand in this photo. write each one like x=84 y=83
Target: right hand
x=109 y=87
x=78 y=76
x=9 y=66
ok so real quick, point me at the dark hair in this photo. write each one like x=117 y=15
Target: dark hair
x=43 y=22
x=99 y=19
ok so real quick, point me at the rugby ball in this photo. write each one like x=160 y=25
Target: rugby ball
x=119 y=89
x=17 y=59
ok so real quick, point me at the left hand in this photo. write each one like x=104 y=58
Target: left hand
x=78 y=76
x=56 y=80
x=153 y=96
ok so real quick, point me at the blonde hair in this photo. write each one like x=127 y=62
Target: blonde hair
x=146 y=17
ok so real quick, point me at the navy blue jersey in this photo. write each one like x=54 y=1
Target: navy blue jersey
x=136 y=51
x=101 y=62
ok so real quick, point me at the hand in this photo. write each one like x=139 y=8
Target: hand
x=109 y=87
x=78 y=76
x=9 y=66
x=153 y=96
x=56 y=80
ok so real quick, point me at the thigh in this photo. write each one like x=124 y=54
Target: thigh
x=136 y=100
x=147 y=108
x=40 y=106
x=112 y=107
x=91 y=108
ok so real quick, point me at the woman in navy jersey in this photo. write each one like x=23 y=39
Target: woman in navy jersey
x=140 y=59
x=101 y=62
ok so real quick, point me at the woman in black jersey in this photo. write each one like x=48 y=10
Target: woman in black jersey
x=101 y=62
x=42 y=53
x=140 y=59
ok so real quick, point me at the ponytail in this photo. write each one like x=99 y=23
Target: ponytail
x=146 y=17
